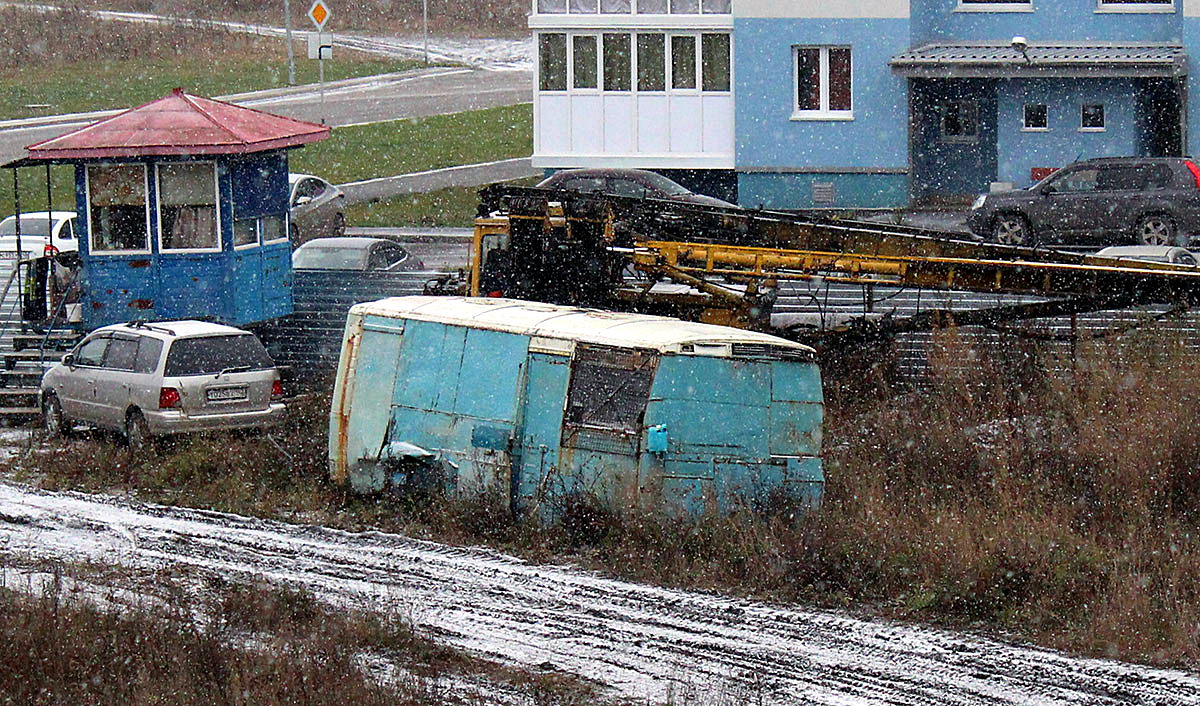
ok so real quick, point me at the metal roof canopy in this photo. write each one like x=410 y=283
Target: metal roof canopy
x=1041 y=60
x=178 y=124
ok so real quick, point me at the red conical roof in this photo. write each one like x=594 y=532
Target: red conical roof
x=180 y=124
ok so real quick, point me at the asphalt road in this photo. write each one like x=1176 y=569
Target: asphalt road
x=421 y=93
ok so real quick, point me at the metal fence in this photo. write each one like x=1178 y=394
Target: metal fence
x=310 y=339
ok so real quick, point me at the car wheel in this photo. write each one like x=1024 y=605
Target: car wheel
x=137 y=431
x=55 y=423
x=339 y=224
x=1012 y=229
x=1156 y=230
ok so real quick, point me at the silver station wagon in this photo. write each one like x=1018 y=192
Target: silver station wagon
x=149 y=379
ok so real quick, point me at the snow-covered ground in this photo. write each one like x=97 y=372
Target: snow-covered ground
x=640 y=641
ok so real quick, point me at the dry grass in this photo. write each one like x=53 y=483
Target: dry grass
x=1060 y=507
x=479 y=17
x=171 y=640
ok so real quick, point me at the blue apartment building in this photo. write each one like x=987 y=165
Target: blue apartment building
x=860 y=103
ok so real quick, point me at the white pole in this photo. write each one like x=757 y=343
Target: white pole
x=287 y=23
x=425 y=27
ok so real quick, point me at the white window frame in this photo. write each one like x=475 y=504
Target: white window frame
x=1108 y=6
x=1103 y=109
x=216 y=205
x=994 y=6
x=87 y=178
x=823 y=113
x=1025 y=118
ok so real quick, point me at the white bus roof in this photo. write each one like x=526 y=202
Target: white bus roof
x=551 y=321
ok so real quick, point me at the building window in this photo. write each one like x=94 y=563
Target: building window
x=960 y=121
x=714 y=49
x=552 y=62
x=652 y=62
x=683 y=62
x=618 y=64
x=641 y=7
x=1091 y=118
x=823 y=83
x=1136 y=5
x=187 y=195
x=117 y=213
x=1036 y=117
x=584 y=61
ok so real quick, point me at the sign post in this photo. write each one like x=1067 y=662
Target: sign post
x=320 y=44
x=287 y=24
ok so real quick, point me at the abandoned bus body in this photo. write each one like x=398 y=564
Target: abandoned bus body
x=537 y=404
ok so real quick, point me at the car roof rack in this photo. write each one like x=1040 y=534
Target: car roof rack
x=143 y=324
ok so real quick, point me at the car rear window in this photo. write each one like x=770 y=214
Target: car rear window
x=210 y=355
x=336 y=258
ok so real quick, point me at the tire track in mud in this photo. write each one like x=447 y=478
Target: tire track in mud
x=639 y=641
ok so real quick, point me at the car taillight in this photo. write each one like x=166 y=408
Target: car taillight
x=276 y=390
x=1194 y=170
x=168 y=398
x=49 y=251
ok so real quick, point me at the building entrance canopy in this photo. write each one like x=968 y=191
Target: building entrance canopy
x=1061 y=60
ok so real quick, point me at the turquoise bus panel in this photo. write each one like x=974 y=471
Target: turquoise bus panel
x=431 y=358
x=491 y=374
x=374 y=378
x=794 y=381
x=541 y=428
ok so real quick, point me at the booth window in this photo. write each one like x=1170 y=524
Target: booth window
x=117 y=215
x=617 y=62
x=274 y=229
x=187 y=195
x=253 y=231
x=715 y=61
x=245 y=232
x=683 y=61
x=584 y=61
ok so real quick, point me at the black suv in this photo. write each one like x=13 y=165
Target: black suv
x=1146 y=200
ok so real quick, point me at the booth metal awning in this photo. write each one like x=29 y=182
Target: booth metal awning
x=1053 y=60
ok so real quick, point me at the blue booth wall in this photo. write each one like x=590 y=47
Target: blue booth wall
x=779 y=158
x=234 y=286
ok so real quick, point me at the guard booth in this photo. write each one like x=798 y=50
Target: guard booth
x=182 y=210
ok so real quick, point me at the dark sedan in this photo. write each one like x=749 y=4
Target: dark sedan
x=1149 y=201
x=638 y=183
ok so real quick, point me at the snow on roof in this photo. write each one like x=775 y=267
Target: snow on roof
x=180 y=124
x=660 y=333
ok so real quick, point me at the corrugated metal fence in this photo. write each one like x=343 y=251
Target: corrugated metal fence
x=310 y=339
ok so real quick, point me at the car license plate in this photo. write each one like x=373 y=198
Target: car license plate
x=227 y=394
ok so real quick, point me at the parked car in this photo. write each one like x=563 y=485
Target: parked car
x=60 y=226
x=149 y=379
x=318 y=208
x=1152 y=201
x=355 y=253
x=628 y=182
x=1167 y=254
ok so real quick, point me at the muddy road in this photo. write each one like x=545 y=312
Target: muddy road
x=639 y=641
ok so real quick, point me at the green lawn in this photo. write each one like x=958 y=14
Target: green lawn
x=404 y=146
x=70 y=88
x=448 y=207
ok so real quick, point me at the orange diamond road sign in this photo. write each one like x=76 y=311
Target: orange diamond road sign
x=319 y=14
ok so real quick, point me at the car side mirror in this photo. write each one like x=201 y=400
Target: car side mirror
x=302 y=200
x=69 y=360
